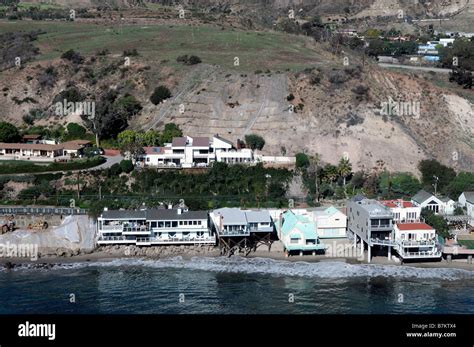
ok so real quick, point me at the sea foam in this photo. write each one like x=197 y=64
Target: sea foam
x=265 y=266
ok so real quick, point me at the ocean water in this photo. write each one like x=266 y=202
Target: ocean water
x=234 y=286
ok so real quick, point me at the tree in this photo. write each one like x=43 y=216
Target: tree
x=112 y=114
x=151 y=138
x=159 y=94
x=430 y=169
x=254 y=141
x=130 y=142
x=435 y=221
x=344 y=169
x=302 y=160
x=9 y=133
x=126 y=166
x=398 y=184
x=171 y=130
x=463 y=182
x=73 y=56
x=75 y=131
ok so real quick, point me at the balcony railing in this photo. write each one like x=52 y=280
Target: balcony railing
x=415 y=243
x=421 y=254
x=112 y=228
x=235 y=232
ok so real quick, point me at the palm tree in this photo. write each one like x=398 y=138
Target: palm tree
x=344 y=168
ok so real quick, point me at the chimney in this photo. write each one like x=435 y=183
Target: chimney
x=170 y=206
x=106 y=208
x=179 y=210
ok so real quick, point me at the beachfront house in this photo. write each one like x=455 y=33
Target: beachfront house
x=403 y=211
x=370 y=222
x=427 y=200
x=330 y=222
x=416 y=241
x=298 y=233
x=466 y=200
x=239 y=229
x=154 y=226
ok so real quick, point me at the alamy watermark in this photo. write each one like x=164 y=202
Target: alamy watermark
x=19 y=250
x=400 y=108
x=343 y=250
x=81 y=108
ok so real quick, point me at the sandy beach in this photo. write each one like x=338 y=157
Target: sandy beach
x=105 y=254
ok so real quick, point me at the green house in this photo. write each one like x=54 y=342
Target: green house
x=298 y=233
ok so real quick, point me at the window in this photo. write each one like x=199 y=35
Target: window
x=180 y=222
x=167 y=224
x=294 y=241
x=174 y=224
x=199 y=222
x=161 y=224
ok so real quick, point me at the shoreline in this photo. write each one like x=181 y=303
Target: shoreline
x=101 y=255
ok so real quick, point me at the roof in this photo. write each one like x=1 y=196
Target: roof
x=154 y=214
x=236 y=216
x=414 y=226
x=258 y=216
x=172 y=214
x=422 y=196
x=397 y=203
x=201 y=141
x=124 y=214
x=223 y=140
x=469 y=196
x=153 y=150
x=292 y=222
x=74 y=145
x=31 y=136
x=325 y=211
x=179 y=141
x=39 y=146
x=232 y=216
x=445 y=199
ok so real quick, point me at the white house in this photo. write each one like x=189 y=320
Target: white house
x=466 y=200
x=403 y=211
x=416 y=241
x=189 y=152
x=427 y=200
x=237 y=222
x=330 y=222
x=155 y=226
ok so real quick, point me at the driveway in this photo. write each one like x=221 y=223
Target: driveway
x=418 y=68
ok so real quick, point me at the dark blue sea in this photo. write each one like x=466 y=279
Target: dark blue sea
x=234 y=286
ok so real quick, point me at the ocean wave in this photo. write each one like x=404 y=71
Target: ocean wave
x=265 y=266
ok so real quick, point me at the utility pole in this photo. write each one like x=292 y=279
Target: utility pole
x=78 y=187
x=435 y=185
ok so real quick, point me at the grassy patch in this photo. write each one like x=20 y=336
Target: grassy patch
x=468 y=243
x=255 y=50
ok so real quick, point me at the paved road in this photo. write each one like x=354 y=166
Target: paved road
x=418 y=68
x=111 y=160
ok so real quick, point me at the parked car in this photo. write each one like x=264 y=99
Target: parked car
x=201 y=165
x=171 y=164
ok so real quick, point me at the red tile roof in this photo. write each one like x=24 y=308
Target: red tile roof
x=393 y=203
x=414 y=226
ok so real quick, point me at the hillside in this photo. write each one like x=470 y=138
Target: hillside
x=337 y=108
